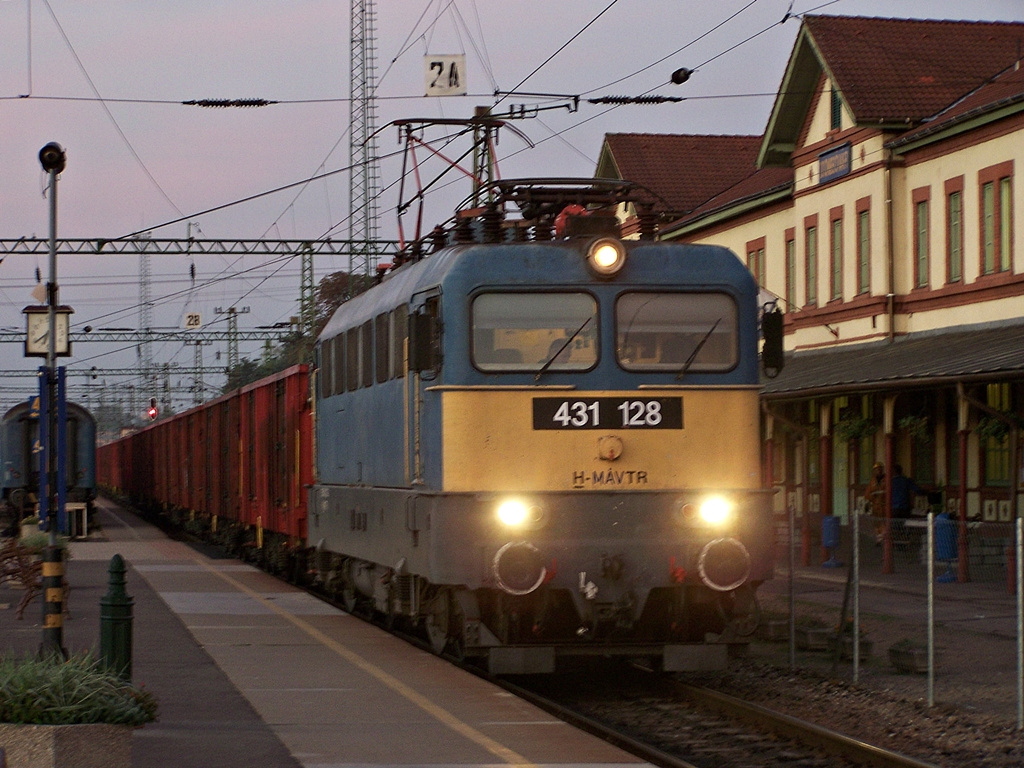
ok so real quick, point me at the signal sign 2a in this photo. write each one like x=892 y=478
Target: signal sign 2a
x=445 y=74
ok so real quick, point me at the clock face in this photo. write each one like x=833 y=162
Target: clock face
x=38 y=339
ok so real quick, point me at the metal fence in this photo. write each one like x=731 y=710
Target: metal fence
x=931 y=598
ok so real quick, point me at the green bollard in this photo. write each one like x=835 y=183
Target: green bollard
x=116 y=622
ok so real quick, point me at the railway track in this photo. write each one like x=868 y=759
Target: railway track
x=677 y=725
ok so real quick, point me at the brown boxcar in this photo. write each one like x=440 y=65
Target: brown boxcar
x=241 y=462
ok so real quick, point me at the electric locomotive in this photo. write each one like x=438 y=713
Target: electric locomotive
x=546 y=447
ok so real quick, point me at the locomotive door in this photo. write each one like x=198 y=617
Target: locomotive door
x=424 y=355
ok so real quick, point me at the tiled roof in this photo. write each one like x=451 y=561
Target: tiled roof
x=891 y=70
x=962 y=353
x=756 y=185
x=684 y=170
x=1005 y=90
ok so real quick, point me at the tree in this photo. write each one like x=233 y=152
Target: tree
x=333 y=291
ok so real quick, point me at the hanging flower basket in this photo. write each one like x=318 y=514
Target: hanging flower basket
x=855 y=428
x=915 y=426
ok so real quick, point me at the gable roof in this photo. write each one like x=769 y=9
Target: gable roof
x=683 y=170
x=889 y=72
x=998 y=98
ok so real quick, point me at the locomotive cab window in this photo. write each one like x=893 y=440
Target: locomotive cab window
x=534 y=331
x=677 y=332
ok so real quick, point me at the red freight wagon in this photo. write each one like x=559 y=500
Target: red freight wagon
x=237 y=467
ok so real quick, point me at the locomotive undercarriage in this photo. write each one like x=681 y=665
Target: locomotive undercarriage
x=527 y=633
x=685 y=626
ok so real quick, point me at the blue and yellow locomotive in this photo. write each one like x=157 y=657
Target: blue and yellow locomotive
x=535 y=448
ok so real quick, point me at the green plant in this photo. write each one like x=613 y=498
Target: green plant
x=855 y=428
x=38 y=541
x=989 y=427
x=54 y=691
x=915 y=426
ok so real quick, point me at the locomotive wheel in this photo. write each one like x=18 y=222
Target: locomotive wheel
x=437 y=621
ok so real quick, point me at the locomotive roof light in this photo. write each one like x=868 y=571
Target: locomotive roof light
x=606 y=256
x=516 y=513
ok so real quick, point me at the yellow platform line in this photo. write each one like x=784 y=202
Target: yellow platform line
x=439 y=713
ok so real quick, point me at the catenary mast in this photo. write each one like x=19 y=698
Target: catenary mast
x=364 y=173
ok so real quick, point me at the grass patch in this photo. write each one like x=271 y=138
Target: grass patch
x=54 y=691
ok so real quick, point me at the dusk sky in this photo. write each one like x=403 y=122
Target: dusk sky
x=106 y=79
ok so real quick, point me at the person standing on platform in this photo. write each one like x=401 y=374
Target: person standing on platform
x=903 y=491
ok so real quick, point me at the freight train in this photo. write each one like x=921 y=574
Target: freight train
x=537 y=442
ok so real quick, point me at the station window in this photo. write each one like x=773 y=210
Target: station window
x=811 y=263
x=524 y=331
x=995 y=185
x=790 y=269
x=673 y=331
x=921 y=200
x=954 y=189
x=836 y=255
x=864 y=245
x=996 y=446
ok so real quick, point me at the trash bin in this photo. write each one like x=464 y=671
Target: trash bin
x=830 y=540
x=945 y=545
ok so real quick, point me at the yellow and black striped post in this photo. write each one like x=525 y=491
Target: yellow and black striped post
x=53 y=602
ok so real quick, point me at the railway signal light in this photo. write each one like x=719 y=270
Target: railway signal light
x=152 y=411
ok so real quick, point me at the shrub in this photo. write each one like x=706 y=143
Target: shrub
x=54 y=691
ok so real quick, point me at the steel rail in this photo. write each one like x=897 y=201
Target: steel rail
x=810 y=734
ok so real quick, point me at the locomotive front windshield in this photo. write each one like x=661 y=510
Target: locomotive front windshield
x=531 y=331
x=679 y=332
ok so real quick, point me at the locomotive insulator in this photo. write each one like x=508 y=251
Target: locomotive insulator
x=518 y=568
x=724 y=564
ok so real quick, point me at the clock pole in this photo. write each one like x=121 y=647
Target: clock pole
x=53 y=159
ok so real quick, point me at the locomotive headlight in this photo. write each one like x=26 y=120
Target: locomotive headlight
x=716 y=510
x=513 y=512
x=606 y=256
x=516 y=513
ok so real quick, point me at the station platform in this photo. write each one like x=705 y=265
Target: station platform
x=250 y=671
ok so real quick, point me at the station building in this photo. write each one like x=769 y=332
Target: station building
x=878 y=209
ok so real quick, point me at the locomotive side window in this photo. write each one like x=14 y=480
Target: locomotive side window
x=366 y=344
x=676 y=332
x=534 y=331
x=352 y=359
x=326 y=368
x=399 y=331
x=381 y=330
x=338 y=344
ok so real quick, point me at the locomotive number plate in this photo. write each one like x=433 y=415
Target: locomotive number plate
x=608 y=413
